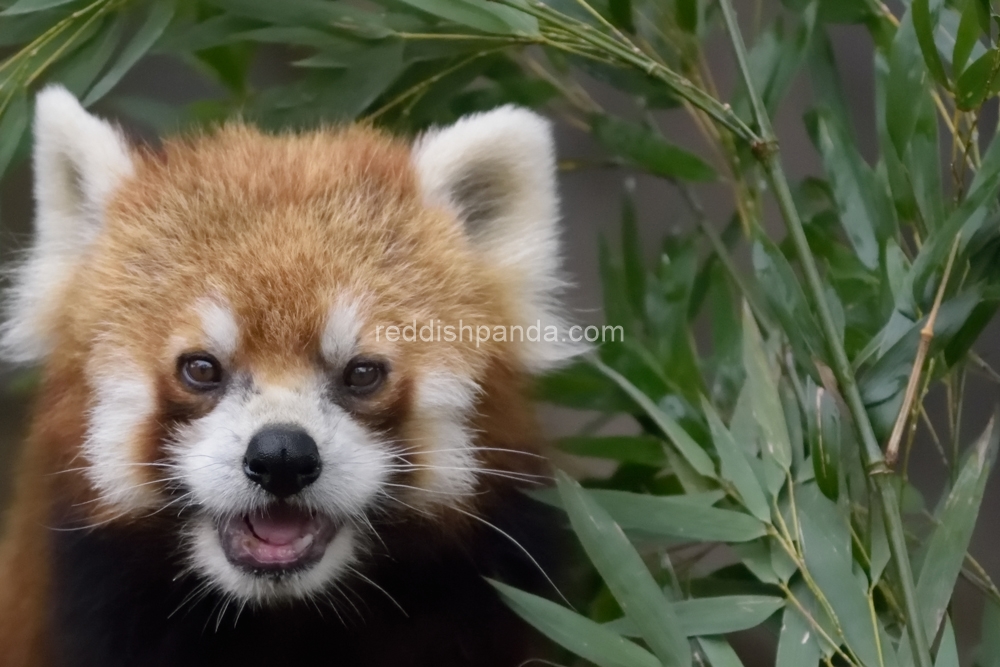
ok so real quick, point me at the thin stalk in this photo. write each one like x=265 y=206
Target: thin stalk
x=841 y=365
x=630 y=54
x=926 y=336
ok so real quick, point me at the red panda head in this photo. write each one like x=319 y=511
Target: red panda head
x=251 y=331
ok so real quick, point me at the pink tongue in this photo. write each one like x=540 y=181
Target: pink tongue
x=279 y=526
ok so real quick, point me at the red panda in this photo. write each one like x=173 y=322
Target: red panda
x=232 y=461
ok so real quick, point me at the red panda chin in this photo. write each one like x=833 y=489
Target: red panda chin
x=280 y=539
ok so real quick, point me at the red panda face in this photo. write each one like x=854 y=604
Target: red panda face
x=231 y=302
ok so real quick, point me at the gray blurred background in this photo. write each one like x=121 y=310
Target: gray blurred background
x=591 y=206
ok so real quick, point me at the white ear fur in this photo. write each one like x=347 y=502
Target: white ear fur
x=79 y=160
x=497 y=171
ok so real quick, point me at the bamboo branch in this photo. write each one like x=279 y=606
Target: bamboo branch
x=766 y=153
x=926 y=336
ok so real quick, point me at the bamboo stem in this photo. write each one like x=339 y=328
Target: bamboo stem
x=926 y=336
x=768 y=157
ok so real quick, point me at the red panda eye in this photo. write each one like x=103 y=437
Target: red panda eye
x=363 y=375
x=200 y=371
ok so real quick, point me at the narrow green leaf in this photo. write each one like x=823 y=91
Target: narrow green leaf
x=865 y=210
x=688 y=517
x=798 y=643
x=980 y=80
x=687 y=15
x=159 y=17
x=783 y=292
x=315 y=13
x=714 y=615
x=925 y=18
x=634 y=268
x=825 y=434
x=488 y=17
x=649 y=150
x=983 y=12
x=587 y=639
x=13 y=123
x=645 y=450
x=29 y=6
x=947 y=655
x=756 y=556
x=22 y=28
x=827 y=553
x=956 y=522
x=626 y=575
x=966 y=38
x=685 y=444
x=78 y=70
x=735 y=467
x=906 y=83
x=621 y=14
x=614 y=290
x=719 y=652
x=764 y=399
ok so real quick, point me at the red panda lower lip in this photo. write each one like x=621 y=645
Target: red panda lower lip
x=278 y=539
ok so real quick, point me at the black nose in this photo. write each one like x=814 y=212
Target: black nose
x=282 y=459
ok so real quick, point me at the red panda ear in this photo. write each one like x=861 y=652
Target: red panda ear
x=79 y=160
x=497 y=172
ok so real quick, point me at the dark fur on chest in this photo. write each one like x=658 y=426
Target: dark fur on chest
x=118 y=600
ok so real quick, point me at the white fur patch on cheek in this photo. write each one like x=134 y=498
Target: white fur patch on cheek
x=444 y=401
x=123 y=404
x=218 y=322
x=342 y=331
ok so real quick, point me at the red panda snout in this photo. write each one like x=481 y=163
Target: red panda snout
x=282 y=460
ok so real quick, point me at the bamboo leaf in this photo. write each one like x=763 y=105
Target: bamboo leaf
x=77 y=70
x=865 y=211
x=13 y=123
x=764 y=399
x=980 y=80
x=644 y=450
x=634 y=269
x=956 y=521
x=487 y=17
x=783 y=292
x=159 y=17
x=947 y=655
x=621 y=14
x=684 y=443
x=824 y=435
x=649 y=150
x=29 y=6
x=966 y=38
x=587 y=639
x=687 y=517
x=735 y=467
x=719 y=652
x=714 y=615
x=925 y=19
x=798 y=643
x=827 y=553
x=687 y=15
x=625 y=575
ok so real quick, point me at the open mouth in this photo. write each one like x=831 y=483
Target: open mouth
x=276 y=540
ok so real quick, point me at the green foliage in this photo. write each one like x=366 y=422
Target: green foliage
x=764 y=440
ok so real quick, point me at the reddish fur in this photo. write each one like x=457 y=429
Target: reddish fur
x=280 y=226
